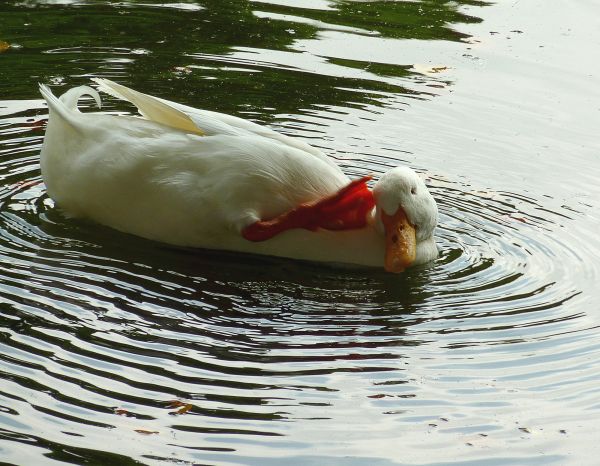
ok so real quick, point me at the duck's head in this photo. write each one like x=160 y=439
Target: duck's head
x=406 y=213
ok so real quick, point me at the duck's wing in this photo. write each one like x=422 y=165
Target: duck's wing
x=202 y=122
x=157 y=110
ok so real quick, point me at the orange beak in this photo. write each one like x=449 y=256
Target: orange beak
x=400 y=241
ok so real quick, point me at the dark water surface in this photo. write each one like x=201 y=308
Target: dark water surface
x=490 y=355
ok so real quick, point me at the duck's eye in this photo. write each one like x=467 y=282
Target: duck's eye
x=413 y=190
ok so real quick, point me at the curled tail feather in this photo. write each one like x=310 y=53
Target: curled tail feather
x=66 y=105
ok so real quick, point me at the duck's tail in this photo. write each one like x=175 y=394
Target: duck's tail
x=66 y=106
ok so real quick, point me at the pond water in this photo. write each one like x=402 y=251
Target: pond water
x=116 y=350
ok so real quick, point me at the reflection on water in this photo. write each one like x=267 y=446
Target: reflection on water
x=119 y=350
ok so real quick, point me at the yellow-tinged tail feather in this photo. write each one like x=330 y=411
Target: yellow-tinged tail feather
x=150 y=107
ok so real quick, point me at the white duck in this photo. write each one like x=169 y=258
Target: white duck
x=197 y=178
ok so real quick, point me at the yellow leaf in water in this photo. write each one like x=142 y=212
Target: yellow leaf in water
x=4 y=46
x=183 y=407
x=146 y=431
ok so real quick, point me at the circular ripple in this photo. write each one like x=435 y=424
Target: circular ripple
x=175 y=353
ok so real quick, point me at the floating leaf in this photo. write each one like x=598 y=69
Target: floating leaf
x=121 y=412
x=4 y=46
x=146 y=431
x=37 y=125
x=25 y=184
x=183 y=407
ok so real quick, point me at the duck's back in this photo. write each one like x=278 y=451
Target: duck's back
x=172 y=184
